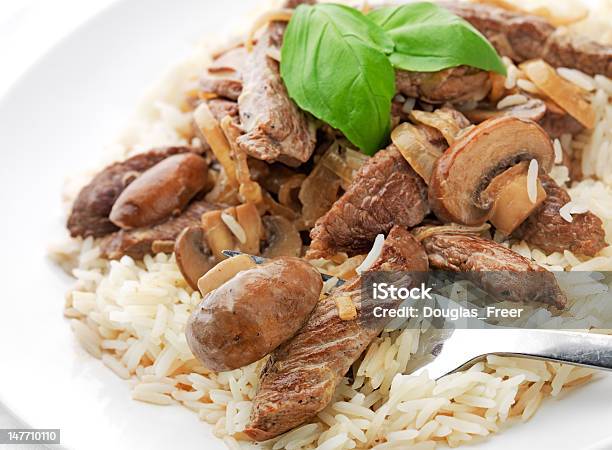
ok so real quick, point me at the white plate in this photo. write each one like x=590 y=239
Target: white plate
x=53 y=122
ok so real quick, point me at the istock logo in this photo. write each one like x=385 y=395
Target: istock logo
x=386 y=291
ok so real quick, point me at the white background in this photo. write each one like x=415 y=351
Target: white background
x=28 y=28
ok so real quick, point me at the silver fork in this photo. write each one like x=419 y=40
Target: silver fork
x=466 y=347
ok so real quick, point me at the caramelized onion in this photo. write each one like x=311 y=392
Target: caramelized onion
x=279 y=15
x=425 y=232
x=211 y=132
x=276 y=209
x=565 y=94
x=249 y=190
x=442 y=120
x=344 y=162
x=416 y=149
x=497 y=87
x=287 y=191
x=282 y=236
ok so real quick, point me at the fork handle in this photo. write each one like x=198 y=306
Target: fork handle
x=467 y=346
x=577 y=348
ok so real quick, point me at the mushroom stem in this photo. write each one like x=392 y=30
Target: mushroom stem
x=511 y=199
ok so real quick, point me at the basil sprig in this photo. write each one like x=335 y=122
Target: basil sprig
x=335 y=66
x=429 y=38
x=337 y=63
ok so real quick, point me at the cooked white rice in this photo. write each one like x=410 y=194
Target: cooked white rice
x=132 y=316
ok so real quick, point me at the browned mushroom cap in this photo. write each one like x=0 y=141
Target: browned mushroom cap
x=193 y=256
x=465 y=170
x=163 y=190
x=534 y=109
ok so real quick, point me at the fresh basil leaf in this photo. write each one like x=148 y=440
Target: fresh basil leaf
x=334 y=65
x=429 y=38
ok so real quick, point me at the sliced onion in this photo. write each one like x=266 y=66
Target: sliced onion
x=212 y=133
x=442 y=120
x=249 y=190
x=286 y=193
x=279 y=15
x=425 y=232
x=565 y=94
x=416 y=149
x=344 y=162
x=276 y=209
x=318 y=193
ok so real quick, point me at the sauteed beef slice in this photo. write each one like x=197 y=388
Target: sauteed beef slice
x=302 y=374
x=546 y=229
x=276 y=129
x=385 y=192
x=496 y=269
x=557 y=124
x=567 y=50
x=89 y=216
x=455 y=85
x=522 y=37
x=138 y=242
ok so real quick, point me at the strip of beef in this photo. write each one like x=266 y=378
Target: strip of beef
x=276 y=129
x=557 y=122
x=454 y=85
x=504 y=274
x=522 y=37
x=546 y=229
x=138 y=242
x=302 y=374
x=385 y=192
x=89 y=216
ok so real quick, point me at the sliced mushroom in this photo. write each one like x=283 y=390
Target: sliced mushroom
x=193 y=257
x=218 y=235
x=282 y=236
x=534 y=109
x=249 y=219
x=508 y=192
x=466 y=169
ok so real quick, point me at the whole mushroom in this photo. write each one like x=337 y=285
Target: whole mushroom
x=475 y=179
